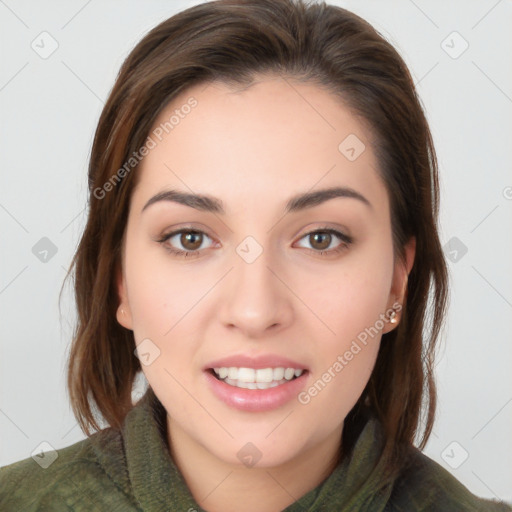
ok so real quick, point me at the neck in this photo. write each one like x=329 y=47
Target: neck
x=220 y=486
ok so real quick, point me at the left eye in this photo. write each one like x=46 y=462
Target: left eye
x=323 y=239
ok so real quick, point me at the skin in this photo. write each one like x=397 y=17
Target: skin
x=254 y=149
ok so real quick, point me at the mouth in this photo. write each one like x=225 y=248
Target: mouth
x=252 y=378
x=256 y=384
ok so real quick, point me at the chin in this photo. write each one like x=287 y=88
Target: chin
x=261 y=449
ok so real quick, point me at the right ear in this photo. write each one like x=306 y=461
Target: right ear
x=124 y=314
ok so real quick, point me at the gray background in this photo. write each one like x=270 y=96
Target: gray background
x=49 y=110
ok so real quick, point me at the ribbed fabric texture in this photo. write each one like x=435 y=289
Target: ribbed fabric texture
x=131 y=470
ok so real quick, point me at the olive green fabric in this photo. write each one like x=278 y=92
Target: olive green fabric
x=131 y=470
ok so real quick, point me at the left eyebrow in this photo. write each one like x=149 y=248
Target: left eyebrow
x=311 y=199
x=296 y=203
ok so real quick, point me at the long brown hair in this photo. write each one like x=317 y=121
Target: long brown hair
x=231 y=41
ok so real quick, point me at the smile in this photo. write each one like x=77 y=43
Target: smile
x=261 y=378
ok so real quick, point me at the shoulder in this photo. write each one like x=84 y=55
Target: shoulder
x=425 y=485
x=77 y=477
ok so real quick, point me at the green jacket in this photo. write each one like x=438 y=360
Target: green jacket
x=131 y=469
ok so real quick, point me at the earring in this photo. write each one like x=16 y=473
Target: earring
x=392 y=317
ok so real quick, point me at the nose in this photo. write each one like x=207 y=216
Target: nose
x=255 y=299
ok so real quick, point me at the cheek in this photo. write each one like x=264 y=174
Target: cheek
x=345 y=358
x=350 y=304
x=164 y=301
x=351 y=297
x=161 y=293
x=333 y=393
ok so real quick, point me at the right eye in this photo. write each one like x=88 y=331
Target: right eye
x=190 y=240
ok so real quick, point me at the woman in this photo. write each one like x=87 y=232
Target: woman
x=261 y=243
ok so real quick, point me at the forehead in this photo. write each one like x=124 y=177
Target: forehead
x=277 y=135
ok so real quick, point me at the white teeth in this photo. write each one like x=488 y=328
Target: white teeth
x=264 y=375
x=262 y=378
x=278 y=373
x=289 y=373
x=254 y=385
x=246 y=374
x=242 y=384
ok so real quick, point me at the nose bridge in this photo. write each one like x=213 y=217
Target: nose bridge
x=257 y=299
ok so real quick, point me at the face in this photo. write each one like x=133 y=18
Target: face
x=239 y=281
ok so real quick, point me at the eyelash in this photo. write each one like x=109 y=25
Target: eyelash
x=345 y=239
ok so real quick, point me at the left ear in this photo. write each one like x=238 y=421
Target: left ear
x=399 y=284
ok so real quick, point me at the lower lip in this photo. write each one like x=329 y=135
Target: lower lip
x=256 y=400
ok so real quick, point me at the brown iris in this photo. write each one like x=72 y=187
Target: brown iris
x=191 y=240
x=318 y=236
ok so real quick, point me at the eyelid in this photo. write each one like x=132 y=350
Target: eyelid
x=339 y=232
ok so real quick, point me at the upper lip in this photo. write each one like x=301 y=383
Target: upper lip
x=256 y=362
